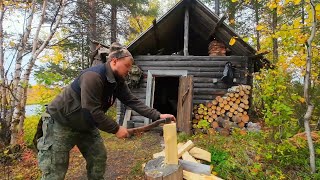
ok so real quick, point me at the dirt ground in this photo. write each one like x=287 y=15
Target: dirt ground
x=125 y=159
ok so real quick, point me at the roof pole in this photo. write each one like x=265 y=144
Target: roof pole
x=186 y=32
x=216 y=7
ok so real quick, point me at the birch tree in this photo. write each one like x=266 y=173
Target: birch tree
x=307 y=83
x=14 y=92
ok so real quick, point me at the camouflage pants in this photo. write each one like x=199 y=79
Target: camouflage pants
x=58 y=140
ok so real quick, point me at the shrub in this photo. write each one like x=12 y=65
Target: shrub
x=30 y=128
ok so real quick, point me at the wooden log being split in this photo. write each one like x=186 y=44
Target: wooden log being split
x=170 y=140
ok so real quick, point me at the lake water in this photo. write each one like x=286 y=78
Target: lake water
x=33 y=109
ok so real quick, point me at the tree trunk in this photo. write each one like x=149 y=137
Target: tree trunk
x=307 y=78
x=255 y=4
x=113 y=23
x=16 y=81
x=274 y=39
x=4 y=131
x=92 y=6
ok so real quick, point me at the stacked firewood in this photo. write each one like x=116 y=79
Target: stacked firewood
x=216 y=49
x=223 y=113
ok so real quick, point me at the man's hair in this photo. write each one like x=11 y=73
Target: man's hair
x=118 y=51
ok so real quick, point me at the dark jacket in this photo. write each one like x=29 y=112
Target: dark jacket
x=83 y=104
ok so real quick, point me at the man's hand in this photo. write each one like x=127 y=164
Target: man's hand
x=163 y=116
x=122 y=132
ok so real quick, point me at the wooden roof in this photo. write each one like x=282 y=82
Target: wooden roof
x=165 y=36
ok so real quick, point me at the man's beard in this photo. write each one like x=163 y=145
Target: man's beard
x=118 y=77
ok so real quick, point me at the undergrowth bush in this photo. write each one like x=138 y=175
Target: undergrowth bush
x=30 y=128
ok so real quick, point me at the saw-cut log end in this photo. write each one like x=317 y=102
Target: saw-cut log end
x=157 y=169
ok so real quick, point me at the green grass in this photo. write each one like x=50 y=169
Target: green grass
x=254 y=156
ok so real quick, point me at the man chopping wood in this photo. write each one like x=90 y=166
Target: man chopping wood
x=76 y=115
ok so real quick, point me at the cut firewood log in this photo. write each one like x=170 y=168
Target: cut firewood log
x=230 y=103
x=246 y=106
x=237 y=101
x=222 y=111
x=187 y=157
x=241 y=105
x=193 y=167
x=214 y=116
x=225 y=101
x=186 y=147
x=199 y=153
x=241 y=124
x=245 y=112
x=236 y=95
x=231 y=109
x=214 y=124
x=229 y=114
x=245 y=118
x=214 y=102
x=245 y=101
x=218 y=108
x=210 y=119
x=240 y=109
x=242 y=93
x=235 y=112
x=236 y=119
x=235 y=106
x=221 y=105
x=226 y=107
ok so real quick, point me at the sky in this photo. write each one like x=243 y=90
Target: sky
x=13 y=24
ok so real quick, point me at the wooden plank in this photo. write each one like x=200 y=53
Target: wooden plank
x=184 y=109
x=186 y=33
x=186 y=156
x=193 y=176
x=200 y=154
x=170 y=141
x=186 y=147
x=127 y=117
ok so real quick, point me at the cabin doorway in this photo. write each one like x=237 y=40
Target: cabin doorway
x=165 y=98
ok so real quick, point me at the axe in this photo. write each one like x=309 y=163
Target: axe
x=133 y=131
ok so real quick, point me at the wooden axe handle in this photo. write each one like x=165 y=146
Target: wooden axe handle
x=145 y=128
